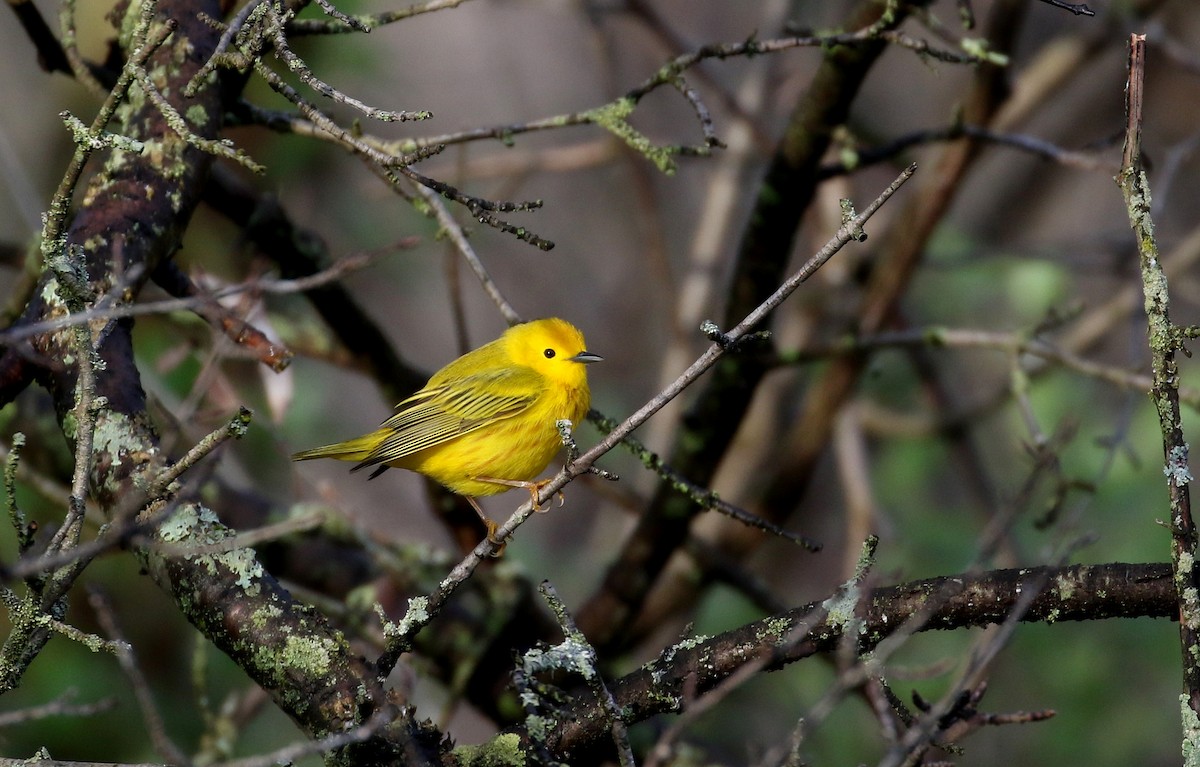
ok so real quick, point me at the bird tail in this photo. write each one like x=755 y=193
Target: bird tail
x=357 y=449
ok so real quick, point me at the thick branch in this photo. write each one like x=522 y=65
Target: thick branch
x=129 y=221
x=1081 y=592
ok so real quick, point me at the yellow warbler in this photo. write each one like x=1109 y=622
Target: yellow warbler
x=485 y=422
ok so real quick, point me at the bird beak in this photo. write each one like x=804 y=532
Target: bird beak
x=586 y=357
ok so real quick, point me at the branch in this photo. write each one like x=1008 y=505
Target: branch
x=1076 y=593
x=1165 y=340
x=172 y=279
x=1015 y=344
x=301 y=253
x=1079 y=9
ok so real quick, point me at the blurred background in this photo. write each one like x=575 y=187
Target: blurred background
x=934 y=451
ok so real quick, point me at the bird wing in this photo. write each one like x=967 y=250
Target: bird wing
x=440 y=413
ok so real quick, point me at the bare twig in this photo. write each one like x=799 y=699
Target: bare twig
x=614 y=113
x=1083 y=160
x=61 y=706
x=454 y=231
x=852 y=229
x=1079 y=9
x=199 y=301
x=367 y=23
x=297 y=65
x=141 y=688
x=702 y=496
x=1013 y=343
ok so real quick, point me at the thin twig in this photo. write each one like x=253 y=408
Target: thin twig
x=935 y=337
x=849 y=231
x=171 y=278
x=61 y=706
x=1079 y=9
x=1039 y=147
x=297 y=66
x=55 y=222
x=334 y=273
x=367 y=23
x=702 y=496
x=667 y=75
x=289 y=754
x=151 y=716
x=456 y=235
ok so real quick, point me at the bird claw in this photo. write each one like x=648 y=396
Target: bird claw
x=499 y=543
x=491 y=526
x=535 y=489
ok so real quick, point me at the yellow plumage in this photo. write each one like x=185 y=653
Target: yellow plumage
x=485 y=422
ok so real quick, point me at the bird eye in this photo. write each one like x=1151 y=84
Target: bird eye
x=549 y=354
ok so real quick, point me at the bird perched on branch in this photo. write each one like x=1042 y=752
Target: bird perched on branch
x=486 y=422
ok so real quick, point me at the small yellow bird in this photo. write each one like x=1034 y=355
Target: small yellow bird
x=484 y=423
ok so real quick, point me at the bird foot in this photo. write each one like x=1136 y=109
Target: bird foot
x=500 y=545
x=491 y=526
x=534 y=488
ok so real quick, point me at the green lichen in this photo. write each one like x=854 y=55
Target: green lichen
x=196 y=115
x=266 y=616
x=774 y=629
x=178 y=527
x=539 y=727
x=978 y=48
x=572 y=656
x=199 y=526
x=504 y=749
x=247 y=567
x=311 y=654
x=614 y=118
x=1065 y=588
x=114 y=435
x=841 y=606
x=685 y=644
x=414 y=619
x=849 y=157
x=50 y=293
x=1191 y=732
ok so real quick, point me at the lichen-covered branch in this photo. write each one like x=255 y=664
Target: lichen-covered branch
x=690 y=667
x=130 y=220
x=1166 y=339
